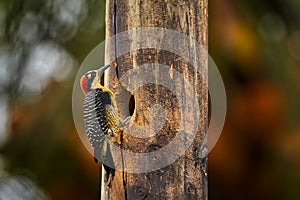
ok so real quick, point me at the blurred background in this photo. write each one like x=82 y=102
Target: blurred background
x=42 y=44
x=255 y=44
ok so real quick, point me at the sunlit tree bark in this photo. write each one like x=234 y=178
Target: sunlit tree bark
x=186 y=178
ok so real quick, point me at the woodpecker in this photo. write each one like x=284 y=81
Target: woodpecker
x=101 y=119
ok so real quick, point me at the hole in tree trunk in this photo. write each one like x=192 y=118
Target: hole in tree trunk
x=131 y=105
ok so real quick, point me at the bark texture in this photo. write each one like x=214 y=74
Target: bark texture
x=186 y=178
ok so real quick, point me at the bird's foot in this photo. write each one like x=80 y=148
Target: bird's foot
x=119 y=137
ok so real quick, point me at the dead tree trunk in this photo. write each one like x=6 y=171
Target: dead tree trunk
x=186 y=178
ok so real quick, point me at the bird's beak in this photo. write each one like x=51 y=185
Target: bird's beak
x=102 y=69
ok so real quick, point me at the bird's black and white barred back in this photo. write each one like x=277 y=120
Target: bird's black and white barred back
x=94 y=117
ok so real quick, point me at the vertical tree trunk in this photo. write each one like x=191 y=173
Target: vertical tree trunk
x=186 y=178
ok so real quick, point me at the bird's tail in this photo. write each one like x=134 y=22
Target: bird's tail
x=104 y=154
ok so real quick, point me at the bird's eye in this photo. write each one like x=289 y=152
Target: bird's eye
x=89 y=76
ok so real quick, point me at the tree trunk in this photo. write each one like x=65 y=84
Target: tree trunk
x=186 y=178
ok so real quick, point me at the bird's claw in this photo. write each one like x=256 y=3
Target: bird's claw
x=119 y=137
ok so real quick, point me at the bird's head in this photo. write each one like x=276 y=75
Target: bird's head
x=91 y=79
